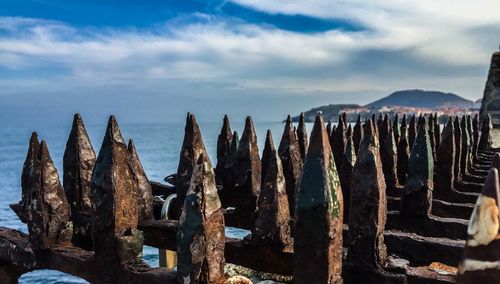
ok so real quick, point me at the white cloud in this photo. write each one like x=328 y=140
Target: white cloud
x=407 y=44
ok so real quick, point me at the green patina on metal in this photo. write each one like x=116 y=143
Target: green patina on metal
x=312 y=179
x=334 y=184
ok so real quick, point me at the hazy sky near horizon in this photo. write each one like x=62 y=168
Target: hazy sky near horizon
x=155 y=60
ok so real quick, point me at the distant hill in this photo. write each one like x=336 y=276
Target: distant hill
x=422 y=99
x=404 y=98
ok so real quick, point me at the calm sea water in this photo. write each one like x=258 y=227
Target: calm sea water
x=158 y=146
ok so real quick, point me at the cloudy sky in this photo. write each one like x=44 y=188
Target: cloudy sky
x=158 y=60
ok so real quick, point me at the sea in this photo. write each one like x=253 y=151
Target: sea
x=158 y=145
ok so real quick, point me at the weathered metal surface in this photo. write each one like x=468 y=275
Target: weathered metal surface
x=383 y=129
x=431 y=136
x=302 y=136
x=200 y=235
x=243 y=180
x=366 y=249
x=114 y=200
x=345 y=175
x=247 y=168
x=289 y=153
x=396 y=128
x=339 y=142
x=357 y=134
x=412 y=132
x=458 y=150
x=329 y=128
x=389 y=158
x=437 y=131
x=470 y=144
x=78 y=163
x=48 y=214
x=15 y=249
x=421 y=250
x=417 y=193
x=482 y=250
x=30 y=177
x=464 y=158
x=223 y=146
x=485 y=141
x=192 y=148
x=444 y=178
x=231 y=157
x=403 y=151
x=144 y=190
x=273 y=216
x=318 y=215
x=475 y=133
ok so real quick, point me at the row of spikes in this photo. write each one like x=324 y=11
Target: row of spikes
x=234 y=154
x=320 y=185
x=102 y=199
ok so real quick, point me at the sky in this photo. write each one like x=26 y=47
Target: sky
x=155 y=60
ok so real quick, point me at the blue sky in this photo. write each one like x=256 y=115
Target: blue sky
x=144 y=59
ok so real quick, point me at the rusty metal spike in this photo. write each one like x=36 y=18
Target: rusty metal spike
x=200 y=235
x=366 y=248
x=30 y=177
x=412 y=131
x=78 y=164
x=475 y=134
x=444 y=178
x=302 y=136
x=318 y=215
x=49 y=213
x=485 y=140
x=388 y=154
x=470 y=135
x=289 y=154
x=344 y=119
x=339 y=143
x=114 y=200
x=464 y=158
x=233 y=149
x=268 y=148
x=223 y=145
x=403 y=121
x=481 y=249
x=345 y=174
x=329 y=128
x=273 y=215
x=417 y=193
x=431 y=136
x=248 y=160
x=348 y=133
x=458 y=150
x=357 y=133
x=380 y=120
x=192 y=148
x=384 y=129
x=437 y=131
x=403 y=151
x=243 y=180
x=144 y=191
x=396 y=128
